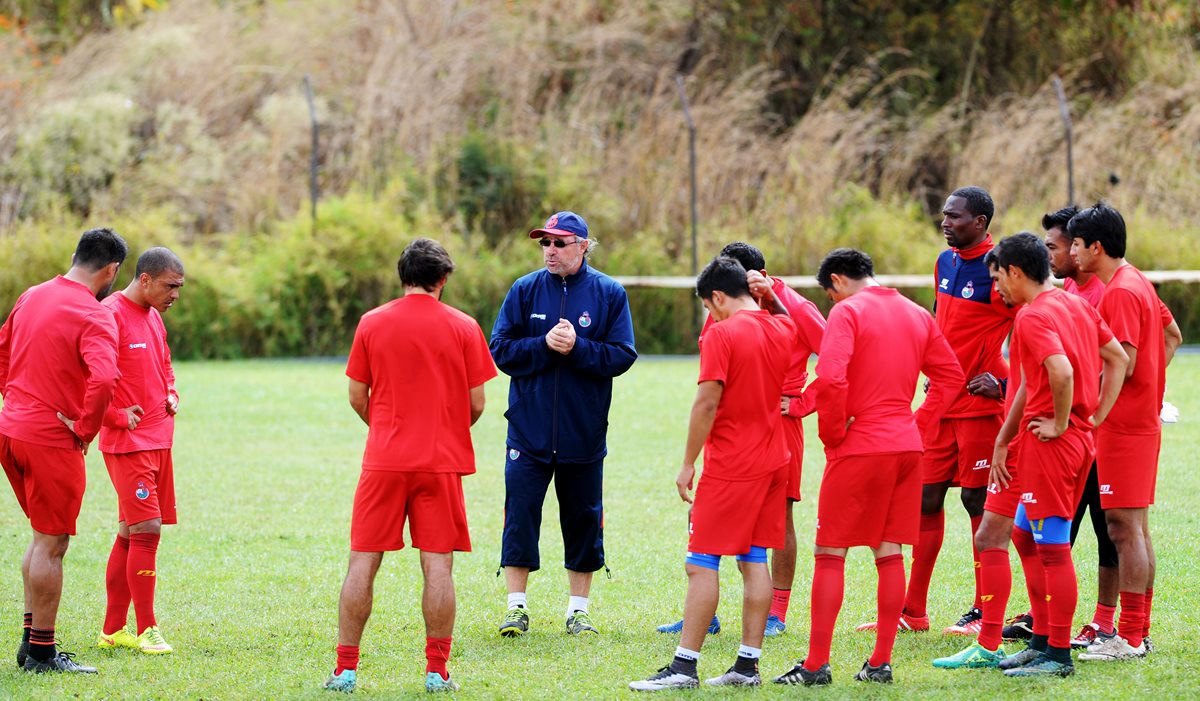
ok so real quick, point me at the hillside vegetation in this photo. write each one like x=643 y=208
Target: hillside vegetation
x=818 y=124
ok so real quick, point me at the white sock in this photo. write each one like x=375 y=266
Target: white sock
x=751 y=652
x=515 y=599
x=686 y=654
x=577 y=603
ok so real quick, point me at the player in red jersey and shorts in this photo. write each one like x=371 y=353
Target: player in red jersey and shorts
x=58 y=367
x=876 y=344
x=1127 y=446
x=136 y=440
x=417 y=369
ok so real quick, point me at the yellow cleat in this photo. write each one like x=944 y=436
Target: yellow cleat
x=151 y=642
x=122 y=638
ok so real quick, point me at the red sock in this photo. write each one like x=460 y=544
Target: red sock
x=1149 y=605
x=1104 y=618
x=437 y=651
x=117 y=587
x=975 y=521
x=347 y=658
x=141 y=575
x=828 y=588
x=1133 y=617
x=890 y=593
x=925 y=553
x=996 y=577
x=1062 y=591
x=1035 y=580
x=779 y=603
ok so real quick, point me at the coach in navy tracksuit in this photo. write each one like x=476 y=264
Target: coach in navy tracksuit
x=562 y=334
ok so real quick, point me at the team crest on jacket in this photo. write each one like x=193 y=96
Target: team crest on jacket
x=141 y=492
x=513 y=453
x=969 y=291
x=585 y=320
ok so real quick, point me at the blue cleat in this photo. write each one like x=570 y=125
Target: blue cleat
x=775 y=626
x=677 y=627
x=343 y=682
x=434 y=683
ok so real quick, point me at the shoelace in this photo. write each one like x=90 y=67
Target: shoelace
x=516 y=614
x=581 y=618
x=154 y=637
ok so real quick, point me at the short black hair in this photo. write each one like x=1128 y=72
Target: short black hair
x=156 y=261
x=847 y=262
x=1025 y=252
x=1100 y=222
x=749 y=256
x=424 y=263
x=978 y=202
x=724 y=274
x=991 y=260
x=98 y=248
x=1059 y=219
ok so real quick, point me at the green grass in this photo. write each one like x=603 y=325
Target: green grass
x=267 y=455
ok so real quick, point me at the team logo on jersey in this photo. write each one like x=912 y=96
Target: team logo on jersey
x=981 y=465
x=141 y=492
x=513 y=453
x=535 y=315
x=1028 y=498
x=585 y=320
x=969 y=291
x=1106 y=489
x=133 y=346
x=993 y=488
x=944 y=283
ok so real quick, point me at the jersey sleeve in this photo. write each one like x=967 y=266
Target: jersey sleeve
x=1165 y=313
x=1120 y=310
x=1039 y=336
x=515 y=352
x=832 y=385
x=714 y=356
x=98 y=349
x=480 y=367
x=358 y=367
x=941 y=366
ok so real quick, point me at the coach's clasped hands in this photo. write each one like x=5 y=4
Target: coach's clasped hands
x=684 y=482
x=561 y=338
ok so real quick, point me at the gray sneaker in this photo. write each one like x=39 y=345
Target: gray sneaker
x=61 y=662
x=1114 y=649
x=516 y=623
x=733 y=678
x=666 y=679
x=581 y=623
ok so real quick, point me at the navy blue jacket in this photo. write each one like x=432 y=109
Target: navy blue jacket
x=558 y=404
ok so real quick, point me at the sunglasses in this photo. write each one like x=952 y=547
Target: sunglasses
x=558 y=243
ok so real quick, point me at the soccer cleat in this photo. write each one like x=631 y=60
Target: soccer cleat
x=1018 y=627
x=799 y=675
x=516 y=622
x=775 y=626
x=61 y=662
x=677 y=627
x=1114 y=649
x=881 y=674
x=969 y=624
x=151 y=642
x=733 y=678
x=1089 y=635
x=974 y=656
x=907 y=623
x=666 y=679
x=434 y=683
x=122 y=638
x=1147 y=644
x=343 y=682
x=580 y=622
x=1042 y=666
x=1020 y=659
x=22 y=653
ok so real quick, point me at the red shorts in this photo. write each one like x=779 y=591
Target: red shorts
x=431 y=501
x=1004 y=501
x=870 y=499
x=1053 y=473
x=793 y=431
x=48 y=482
x=1127 y=468
x=145 y=484
x=960 y=452
x=728 y=517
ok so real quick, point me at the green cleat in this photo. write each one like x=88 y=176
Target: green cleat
x=435 y=684
x=344 y=682
x=974 y=656
x=1043 y=666
x=579 y=623
x=151 y=642
x=122 y=638
x=516 y=623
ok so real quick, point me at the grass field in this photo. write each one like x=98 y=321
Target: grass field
x=267 y=455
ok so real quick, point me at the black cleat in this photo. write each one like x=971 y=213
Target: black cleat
x=881 y=674
x=1020 y=659
x=1018 y=628
x=62 y=662
x=799 y=675
x=22 y=653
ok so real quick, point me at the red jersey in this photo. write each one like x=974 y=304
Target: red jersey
x=1092 y=291
x=810 y=327
x=147 y=380
x=420 y=358
x=1059 y=323
x=1133 y=311
x=749 y=353
x=974 y=320
x=58 y=353
x=876 y=344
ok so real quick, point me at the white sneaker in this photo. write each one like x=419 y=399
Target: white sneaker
x=1170 y=413
x=1113 y=649
x=732 y=678
x=666 y=679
